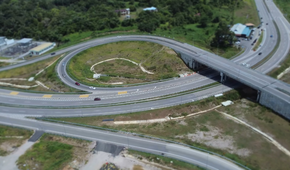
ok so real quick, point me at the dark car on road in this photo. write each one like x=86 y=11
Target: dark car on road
x=77 y=83
x=97 y=99
x=52 y=53
x=260 y=53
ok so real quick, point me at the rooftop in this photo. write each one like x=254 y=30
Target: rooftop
x=150 y=9
x=238 y=28
x=247 y=31
x=40 y=47
x=122 y=10
x=25 y=40
x=250 y=24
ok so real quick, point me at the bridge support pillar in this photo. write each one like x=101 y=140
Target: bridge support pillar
x=258 y=95
x=195 y=65
x=223 y=77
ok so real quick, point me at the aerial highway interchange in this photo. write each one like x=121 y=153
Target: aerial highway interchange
x=32 y=104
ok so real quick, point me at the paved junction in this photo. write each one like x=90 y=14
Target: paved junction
x=17 y=105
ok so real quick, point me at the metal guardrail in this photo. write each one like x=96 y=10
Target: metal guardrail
x=144 y=136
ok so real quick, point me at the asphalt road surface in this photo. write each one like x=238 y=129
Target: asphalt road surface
x=15 y=116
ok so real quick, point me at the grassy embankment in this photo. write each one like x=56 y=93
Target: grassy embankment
x=11 y=138
x=259 y=42
x=54 y=152
x=48 y=77
x=212 y=131
x=3 y=64
x=160 y=60
x=176 y=164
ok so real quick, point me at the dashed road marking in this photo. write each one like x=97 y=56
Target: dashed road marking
x=122 y=92
x=84 y=96
x=14 y=93
x=46 y=96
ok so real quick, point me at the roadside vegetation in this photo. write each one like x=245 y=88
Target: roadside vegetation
x=11 y=138
x=48 y=77
x=169 y=162
x=195 y=22
x=278 y=70
x=2 y=64
x=259 y=42
x=284 y=7
x=161 y=61
x=55 y=152
x=212 y=131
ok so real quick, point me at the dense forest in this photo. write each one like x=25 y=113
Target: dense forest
x=53 y=19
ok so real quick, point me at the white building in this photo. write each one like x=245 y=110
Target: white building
x=41 y=48
x=150 y=9
x=2 y=41
x=96 y=76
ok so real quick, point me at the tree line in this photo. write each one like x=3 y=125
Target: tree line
x=53 y=19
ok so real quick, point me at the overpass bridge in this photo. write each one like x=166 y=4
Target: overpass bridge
x=272 y=93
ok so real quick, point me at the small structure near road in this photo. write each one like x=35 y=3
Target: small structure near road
x=250 y=25
x=227 y=103
x=96 y=76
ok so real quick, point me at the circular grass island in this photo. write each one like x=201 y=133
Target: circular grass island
x=129 y=62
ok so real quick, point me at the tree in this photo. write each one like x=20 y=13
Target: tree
x=223 y=36
x=204 y=21
x=132 y=8
x=128 y=22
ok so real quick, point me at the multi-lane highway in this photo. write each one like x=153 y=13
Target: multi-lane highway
x=19 y=105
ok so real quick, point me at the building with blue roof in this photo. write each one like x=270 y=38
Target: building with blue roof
x=247 y=31
x=150 y=9
x=241 y=30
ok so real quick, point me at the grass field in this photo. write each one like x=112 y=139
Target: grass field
x=8 y=140
x=286 y=78
x=2 y=64
x=247 y=13
x=48 y=77
x=212 y=131
x=259 y=42
x=284 y=7
x=54 y=152
x=160 y=60
x=164 y=161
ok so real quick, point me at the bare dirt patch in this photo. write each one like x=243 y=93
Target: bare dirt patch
x=8 y=143
x=214 y=132
x=215 y=138
x=121 y=161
